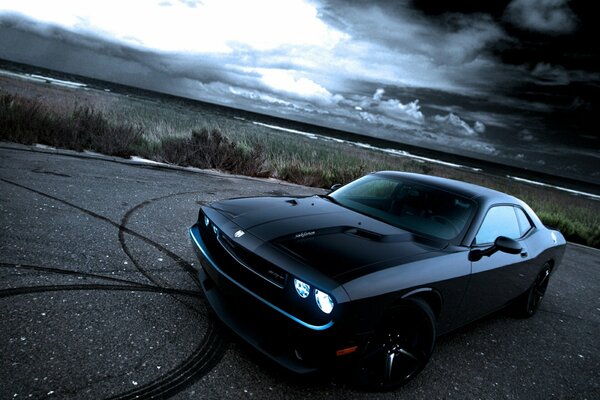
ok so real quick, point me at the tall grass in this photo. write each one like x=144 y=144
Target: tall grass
x=29 y=121
x=122 y=126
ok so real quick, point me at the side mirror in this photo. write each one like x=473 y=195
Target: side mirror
x=507 y=245
x=335 y=187
x=502 y=243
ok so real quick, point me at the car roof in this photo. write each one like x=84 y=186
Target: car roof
x=475 y=192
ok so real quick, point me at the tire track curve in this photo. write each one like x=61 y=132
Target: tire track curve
x=212 y=346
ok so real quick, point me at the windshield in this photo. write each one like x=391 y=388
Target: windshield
x=408 y=205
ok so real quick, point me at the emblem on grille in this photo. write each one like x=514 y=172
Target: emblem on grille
x=275 y=275
x=239 y=234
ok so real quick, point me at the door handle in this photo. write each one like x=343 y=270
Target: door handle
x=524 y=254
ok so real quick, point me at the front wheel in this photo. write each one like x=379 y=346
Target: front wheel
x=401 y=348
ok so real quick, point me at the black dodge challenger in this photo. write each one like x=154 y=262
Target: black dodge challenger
x=364 y=279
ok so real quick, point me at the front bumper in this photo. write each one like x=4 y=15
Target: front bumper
x=297 y=345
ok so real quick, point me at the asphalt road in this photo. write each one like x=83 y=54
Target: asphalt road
x=98 y=299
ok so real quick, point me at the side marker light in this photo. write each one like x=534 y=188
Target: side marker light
x=347 y=350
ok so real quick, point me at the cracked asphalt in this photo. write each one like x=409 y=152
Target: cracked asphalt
x=99 y=299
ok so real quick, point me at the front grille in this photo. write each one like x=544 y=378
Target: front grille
x=254 y=263
x=244 y=267
x=236 y=271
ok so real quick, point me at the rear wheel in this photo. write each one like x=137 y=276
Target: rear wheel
x=401 y=348
x=529 y=303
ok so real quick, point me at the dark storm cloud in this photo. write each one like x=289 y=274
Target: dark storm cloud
x=394 y=33
x=481 y=76
x=553 y=17
x=93 y=54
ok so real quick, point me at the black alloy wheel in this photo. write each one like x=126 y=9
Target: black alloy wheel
x=401 y=349
x=529 y=303
x=538 y=290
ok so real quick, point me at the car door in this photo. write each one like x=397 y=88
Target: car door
x=499 y=278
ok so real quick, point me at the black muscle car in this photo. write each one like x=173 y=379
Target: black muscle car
x=365 y=278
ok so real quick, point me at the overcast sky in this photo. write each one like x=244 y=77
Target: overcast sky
x=510 y=79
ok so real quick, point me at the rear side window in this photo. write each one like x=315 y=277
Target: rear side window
x=524 y=223
x=499 y=221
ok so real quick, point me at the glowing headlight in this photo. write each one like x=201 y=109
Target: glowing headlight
x=303 y=289
x=324 y=301
x=206 y=221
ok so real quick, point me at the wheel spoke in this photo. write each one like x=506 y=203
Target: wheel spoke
x=408 y=354
x=389 y=365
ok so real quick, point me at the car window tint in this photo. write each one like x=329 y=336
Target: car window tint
x=380 y=188
x=524 y=223
x=499 y=221
x=412 y=206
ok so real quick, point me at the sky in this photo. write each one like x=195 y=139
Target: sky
x=515 y=81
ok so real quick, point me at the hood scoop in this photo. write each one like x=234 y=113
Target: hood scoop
x=337 y=250
x=364 y=234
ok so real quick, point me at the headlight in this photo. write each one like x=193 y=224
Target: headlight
x=324 y=301
x=303 y=289
x=206 y=221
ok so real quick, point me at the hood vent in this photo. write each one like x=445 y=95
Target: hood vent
x=364 y=234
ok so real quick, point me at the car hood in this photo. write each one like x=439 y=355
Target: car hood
x=338 y=242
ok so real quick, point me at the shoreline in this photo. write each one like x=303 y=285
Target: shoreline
x=492 y=168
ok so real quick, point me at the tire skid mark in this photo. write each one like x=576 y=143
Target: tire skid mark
x=63 y=271
x=92 y=286
x=180 y=261
x=187 y=267
x=187 y=373
x=123 y=229
x=131 y=285
x=208 y=353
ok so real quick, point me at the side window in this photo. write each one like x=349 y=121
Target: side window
x=499 y=221
x=524 y=223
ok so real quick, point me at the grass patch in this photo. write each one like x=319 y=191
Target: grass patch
x=29 y=121
x=119 y=125
x=212 y=149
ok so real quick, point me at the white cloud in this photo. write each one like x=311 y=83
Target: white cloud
x=395 y=109
x=210 y=26
x=378 y=95
x=445 y=140
x=361 y=42
x=451 y=123
x=552 y=17
x=392 y=108
x=293 y=83
x=479 y=127
x=256 y=95
x=479 y=147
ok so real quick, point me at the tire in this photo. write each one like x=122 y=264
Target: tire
x=400 y=349
x=527 y=305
